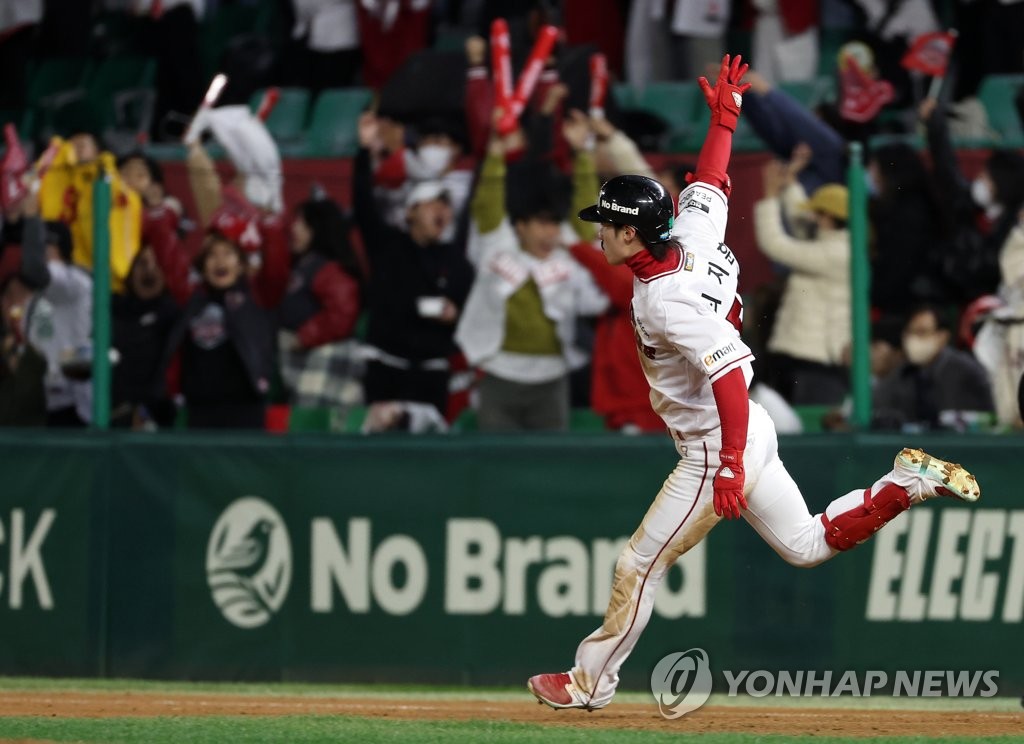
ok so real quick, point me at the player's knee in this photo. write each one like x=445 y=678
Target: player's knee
x=631 y=561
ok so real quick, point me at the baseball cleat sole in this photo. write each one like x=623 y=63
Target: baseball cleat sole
x=945 y=478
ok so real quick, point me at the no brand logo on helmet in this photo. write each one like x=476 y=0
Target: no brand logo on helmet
x=616 y=208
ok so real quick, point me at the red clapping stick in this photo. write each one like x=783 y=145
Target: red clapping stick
x=269 y=100
x=598 y=84
x=528 y=79
x=501 y=63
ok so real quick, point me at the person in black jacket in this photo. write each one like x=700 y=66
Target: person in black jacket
x=418 y=285
x=938 y=387
x=143 y=318
x=904 y=216
x=226 y=343
x=977 y=215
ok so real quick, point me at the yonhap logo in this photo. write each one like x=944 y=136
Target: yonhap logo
x=249 y=562
x=681 y=682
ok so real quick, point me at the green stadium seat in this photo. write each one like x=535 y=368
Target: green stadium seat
x=123 y=96
x=225 y=23
x=830 y=41
x=466 y=421
x=585 y=419
x=287 y=121
x=57 y=75
x=309 y=420
x=744 y=139
x=354 y=419
x=623 y=95
x=57 y=90
x=811 y=417
x=451 y=40
x=675 y=102
x=333 y=126
x=996 y=94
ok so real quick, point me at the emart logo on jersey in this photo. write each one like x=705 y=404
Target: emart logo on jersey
x=681 y=682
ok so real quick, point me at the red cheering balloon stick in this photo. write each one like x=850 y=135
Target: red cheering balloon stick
x=528 y=79
x=501 y=63
x=267 y=103
x=598 y=84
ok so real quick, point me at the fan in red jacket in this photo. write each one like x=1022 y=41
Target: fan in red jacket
x=322 y=300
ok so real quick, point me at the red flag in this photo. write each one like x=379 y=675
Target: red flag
x=861 y=96
x=930 y=53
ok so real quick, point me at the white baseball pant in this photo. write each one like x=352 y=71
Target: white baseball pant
x=681 y=515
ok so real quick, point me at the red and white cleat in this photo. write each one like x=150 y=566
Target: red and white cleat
x=558 y=691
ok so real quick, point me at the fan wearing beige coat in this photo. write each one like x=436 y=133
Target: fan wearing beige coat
x=812 y=327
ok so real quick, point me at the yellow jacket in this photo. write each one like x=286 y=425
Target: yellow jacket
x=65 y=195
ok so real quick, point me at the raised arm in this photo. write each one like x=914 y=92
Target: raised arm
x=576 y=130
x=368 y=218
x=725 y=101
x=34 y=267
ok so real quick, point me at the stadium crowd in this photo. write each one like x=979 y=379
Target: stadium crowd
x=457 y=286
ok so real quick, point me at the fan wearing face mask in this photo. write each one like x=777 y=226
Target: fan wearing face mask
x=938 y=386
x=432 y=156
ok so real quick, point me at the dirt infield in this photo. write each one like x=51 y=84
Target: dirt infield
x=865 y=723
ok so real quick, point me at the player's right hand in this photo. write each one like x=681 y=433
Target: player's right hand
x=726 y=98
x=728 y=485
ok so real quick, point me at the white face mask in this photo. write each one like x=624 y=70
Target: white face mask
x=920 y=350
x=981 y=193
x=428 y=162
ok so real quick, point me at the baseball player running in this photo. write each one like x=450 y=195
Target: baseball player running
x=687 y=318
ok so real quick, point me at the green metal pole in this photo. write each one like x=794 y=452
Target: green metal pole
x=860 y=285
x=101 y=302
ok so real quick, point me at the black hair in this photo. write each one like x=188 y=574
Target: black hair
x=942 y=319
x=445 y=126
x=330 y=230
x=537 y=190
x=889 y=328
x=58 y=234
x=1006 y=169
x=902 y=169
x=156 y=173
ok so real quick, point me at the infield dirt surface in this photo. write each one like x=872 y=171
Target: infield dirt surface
x=760 y=720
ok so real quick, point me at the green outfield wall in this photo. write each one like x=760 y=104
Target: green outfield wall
x=470 y=560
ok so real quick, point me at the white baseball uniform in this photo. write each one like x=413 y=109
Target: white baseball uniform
x=686 y=315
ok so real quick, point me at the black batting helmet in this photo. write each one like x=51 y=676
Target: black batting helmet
x=638 y=201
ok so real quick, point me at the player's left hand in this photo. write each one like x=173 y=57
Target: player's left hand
x=728 y=485
x=726 y=98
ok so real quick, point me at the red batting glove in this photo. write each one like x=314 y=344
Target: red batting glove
x=728 y=484
x=726 y=98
